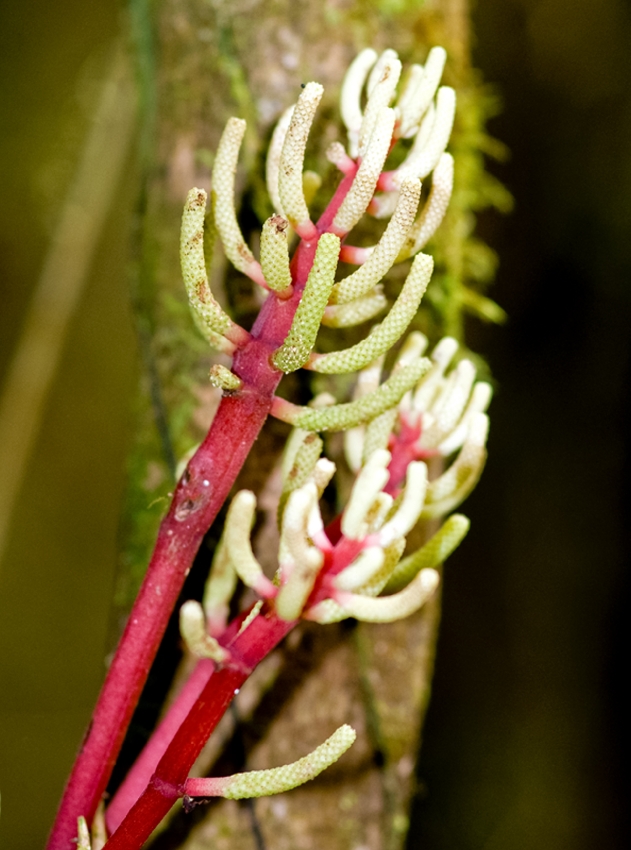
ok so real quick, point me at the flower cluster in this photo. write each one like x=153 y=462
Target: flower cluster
x=415 y=439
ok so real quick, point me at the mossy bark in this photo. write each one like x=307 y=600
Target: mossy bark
x=199 y=63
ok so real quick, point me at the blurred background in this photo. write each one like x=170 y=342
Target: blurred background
x=527 y=730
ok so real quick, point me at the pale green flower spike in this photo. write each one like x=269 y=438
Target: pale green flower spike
x=224 y=379
x=195 y=635
x=251 y=617
x=295 y=351
x=367 y=381
x=237 y=540
x=339 y=417
x=377 y=433
x=363 y=187
x=387 y=249
x=276 y=780
x=222 y=193
x=275 y=254
x=219 y=589
x=311 y=182
x=413 y=107
x=371 y=480
x=392 y=556
x=272 y=165
x=97 y=840
x=432 y=554
x=214 y=323
x=292 y=445
x=421 y=160
x=381 y=87
x=305 y=458
x=448 y=491
x=290 y=187
x=350 y=97
x=355 y=312
x=434 y=210
x=382 y=337
x=83 y=840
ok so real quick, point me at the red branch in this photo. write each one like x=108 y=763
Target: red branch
x=199 y=495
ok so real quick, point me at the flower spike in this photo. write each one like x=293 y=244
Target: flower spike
x=276 y=780
x=422 y=160
x=83 y=833
x=434 y=210
x=362 y=570
x=222 y=192
x=413 y=77
x=224 y=379
x=448 y=491
x=350 y=98
x=339 y=417
x=381 y=87
x=195 y=635
x=478 y=403
x=382 y=609
x=237 y=537
x=216 y=325
x=414 y=107
x=295 y=351
x=437 y=549
x=355 y=312
x=219 y=589
x=371 y=480
x=275 y=255
x=360 y=194
x=272 y=165
x=292 y=158
x=409 y=510
x=387 y=249
x=449 y=406
x=382 y=337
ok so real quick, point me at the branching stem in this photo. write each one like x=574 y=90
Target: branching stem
x=200 y=493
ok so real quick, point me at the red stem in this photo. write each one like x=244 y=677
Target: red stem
x=167 y=783
x=143 y=768
x=175 y=760
x=199 y=495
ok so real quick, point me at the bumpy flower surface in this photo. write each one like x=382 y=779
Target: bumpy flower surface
x=422 y=113
x=359 y=567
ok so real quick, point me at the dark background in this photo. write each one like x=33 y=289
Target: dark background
x=524 y=740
